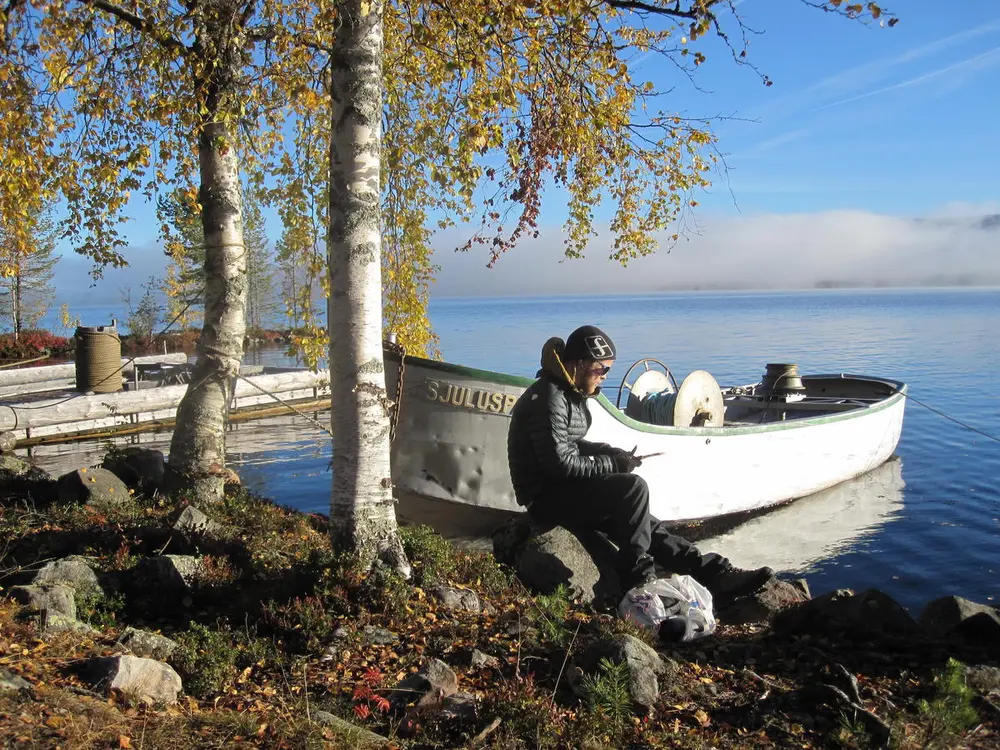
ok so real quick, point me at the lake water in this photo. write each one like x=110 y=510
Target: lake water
x=923 y=525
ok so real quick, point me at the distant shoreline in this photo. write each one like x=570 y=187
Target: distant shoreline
x=721 y=290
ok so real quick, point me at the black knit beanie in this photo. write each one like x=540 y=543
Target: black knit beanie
x=588 y=342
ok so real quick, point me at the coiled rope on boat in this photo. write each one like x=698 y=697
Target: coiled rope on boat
x=658 y=408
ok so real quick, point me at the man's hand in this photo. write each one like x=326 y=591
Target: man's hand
x=625 y=461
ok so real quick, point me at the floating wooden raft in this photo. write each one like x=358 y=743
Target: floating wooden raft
x=23 y=380
x=69 y=416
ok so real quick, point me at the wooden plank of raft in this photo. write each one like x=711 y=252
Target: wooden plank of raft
x=21 y=375
x=161 y=421
x=116 y=405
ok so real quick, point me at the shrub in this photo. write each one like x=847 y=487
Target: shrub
x=549 y=615
x=529 y=715
x=33 y=343
x=97 y=609
x=431 y=555
x=304 y=623
x=205 y=660
x=436 y=560
x=950 y=711
x=608 y=698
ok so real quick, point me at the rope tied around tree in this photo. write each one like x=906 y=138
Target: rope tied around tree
x=394 y=403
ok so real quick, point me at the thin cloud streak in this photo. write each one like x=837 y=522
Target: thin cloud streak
x=770 y=144
x=981 y=60
x=867 y=73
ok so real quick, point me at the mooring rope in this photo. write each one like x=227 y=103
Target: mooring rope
x=940 y=413
x=302 y=414
x=28 y=361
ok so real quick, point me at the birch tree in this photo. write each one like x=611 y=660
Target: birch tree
x=362 y=512
x=144 y=98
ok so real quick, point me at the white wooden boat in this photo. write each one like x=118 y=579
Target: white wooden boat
x=722 y=451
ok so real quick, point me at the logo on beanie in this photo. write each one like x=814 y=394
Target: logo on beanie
x=599 y=347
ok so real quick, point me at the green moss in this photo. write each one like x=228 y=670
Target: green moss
x=97 y=609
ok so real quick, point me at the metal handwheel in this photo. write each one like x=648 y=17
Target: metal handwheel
x=647 y=364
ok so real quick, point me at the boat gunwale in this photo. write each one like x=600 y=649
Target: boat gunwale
x=899 y=392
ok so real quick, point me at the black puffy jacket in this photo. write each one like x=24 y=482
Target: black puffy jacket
x=545 y=442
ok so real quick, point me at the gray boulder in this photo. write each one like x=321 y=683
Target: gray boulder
x=954 y=616
x=583 y=563
x=645 y=667
x=12 y=467
x=142 y=469
x=482 y=660
x=429 y=687
x=97 y=487
x=73 y=571
x=460 y=708
x=509 y=538
x=146 y=644
x=763 y=605
x=548 y=557
x=193 y=521
x=143 y=680
x=462 y=600
x=55 y=621
x=20 y=479
x=983 y=678
x=55 y=605
x=379 y=636
x=7 y=441
x=10 y=682
x=843 y=614
x=54 y=598
x=170 y=573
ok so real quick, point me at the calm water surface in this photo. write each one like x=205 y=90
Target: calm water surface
x=924 y=525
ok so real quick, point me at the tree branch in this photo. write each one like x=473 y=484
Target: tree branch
x=138 y=23
x=659 y=10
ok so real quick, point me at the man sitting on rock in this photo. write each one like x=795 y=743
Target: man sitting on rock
x=567 y=481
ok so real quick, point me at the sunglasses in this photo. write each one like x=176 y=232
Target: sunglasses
x=599 y=370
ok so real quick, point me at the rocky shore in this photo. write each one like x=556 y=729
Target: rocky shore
x=130 y=618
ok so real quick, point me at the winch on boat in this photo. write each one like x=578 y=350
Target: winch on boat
x=653 y=397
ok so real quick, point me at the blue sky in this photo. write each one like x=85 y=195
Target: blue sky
x=863 y=130
x=898 y=120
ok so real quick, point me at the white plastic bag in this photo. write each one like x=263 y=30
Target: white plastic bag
x=680 y=599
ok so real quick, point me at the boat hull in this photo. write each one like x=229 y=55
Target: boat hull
x=452 y=428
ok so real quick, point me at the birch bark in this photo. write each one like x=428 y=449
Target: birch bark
x=362 y=512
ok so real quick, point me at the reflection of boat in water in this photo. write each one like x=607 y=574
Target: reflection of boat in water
x=798 y=535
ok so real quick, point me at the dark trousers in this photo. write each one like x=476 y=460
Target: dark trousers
x=618 y=506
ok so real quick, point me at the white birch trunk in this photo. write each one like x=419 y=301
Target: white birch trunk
x=362 y=513
x=198 y=446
